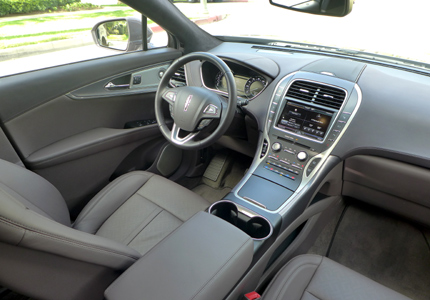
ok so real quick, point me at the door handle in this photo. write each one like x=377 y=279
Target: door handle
x=112 y=86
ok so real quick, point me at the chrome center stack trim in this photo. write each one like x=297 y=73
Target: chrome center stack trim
x=278 y=96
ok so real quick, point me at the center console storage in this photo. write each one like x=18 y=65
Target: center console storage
x=203 y=259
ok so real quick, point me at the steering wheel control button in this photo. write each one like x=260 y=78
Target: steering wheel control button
x=276 y=147
x=170 y=96
x=302 y=156
x=312 y=166
x=211 y=110
x=203 y=124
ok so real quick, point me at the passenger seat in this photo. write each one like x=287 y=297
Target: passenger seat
x=313 y=277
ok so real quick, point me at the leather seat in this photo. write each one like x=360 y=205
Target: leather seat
x=312 y=277
x=45 y=256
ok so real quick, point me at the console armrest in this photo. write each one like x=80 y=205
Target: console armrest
x=202 y=259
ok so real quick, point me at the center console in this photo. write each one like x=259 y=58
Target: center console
x=308 y=114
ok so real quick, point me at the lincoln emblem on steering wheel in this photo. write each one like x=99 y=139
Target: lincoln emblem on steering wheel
x=187 y=103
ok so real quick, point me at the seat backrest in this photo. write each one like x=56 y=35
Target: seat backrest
x=34 y=192
x=40 y=253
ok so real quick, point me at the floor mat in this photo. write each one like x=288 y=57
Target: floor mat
x=385 y=249
x=231 y=173
x=211 y=194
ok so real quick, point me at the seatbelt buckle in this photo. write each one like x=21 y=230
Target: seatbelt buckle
x=252 y=296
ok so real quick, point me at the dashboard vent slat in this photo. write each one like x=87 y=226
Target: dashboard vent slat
x=317 y=93
x=178 y=79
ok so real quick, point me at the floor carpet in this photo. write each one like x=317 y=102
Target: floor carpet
x=381 y=246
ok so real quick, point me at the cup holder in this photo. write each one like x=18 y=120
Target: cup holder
x=256 y=226
x=226 y=211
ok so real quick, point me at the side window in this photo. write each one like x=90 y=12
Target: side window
x=60 y=35
x=157 y=36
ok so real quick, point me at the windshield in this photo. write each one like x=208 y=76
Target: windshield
x=393 y=28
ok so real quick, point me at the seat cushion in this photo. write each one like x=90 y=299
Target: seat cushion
x=139 y=209
x=312 y=277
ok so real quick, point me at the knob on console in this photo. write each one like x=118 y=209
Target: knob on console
x=276 y=147
x=302 y=156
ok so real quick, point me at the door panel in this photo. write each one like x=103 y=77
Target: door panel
x=63 y=117
x=77 y=143
x=23 y=92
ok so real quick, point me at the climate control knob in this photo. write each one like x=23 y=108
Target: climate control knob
x=276 y=147
x=302 y=156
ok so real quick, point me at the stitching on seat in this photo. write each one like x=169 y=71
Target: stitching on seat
x=25 y=206
x=159 y=212
x=275 y=278
x=144 y=227
x=306 y=289
x=312 y=295
x=116 y=282
x=122 y=204
x=288 y=279
x=16 y=227
x=162 y=210
x=155 y=203
x=107 y=191
x=65 y=240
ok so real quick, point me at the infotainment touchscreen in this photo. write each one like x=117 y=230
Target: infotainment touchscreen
x=305 y=120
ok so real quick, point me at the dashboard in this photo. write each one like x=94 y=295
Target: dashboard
x=315 y=111
x=391 y=121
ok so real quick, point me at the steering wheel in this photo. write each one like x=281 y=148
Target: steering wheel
x=194 y=108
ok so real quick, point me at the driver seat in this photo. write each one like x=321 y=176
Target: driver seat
x=43 y=255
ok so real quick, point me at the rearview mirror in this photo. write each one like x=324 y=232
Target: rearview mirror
x=124 y=34
x=334 y=8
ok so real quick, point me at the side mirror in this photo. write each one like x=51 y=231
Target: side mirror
x=123 y=34
x=334 y=8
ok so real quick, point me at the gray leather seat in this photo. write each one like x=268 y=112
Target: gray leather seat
x=44 y=256
x=312 y=277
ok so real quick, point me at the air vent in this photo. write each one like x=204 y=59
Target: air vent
x=317 y=93
x=178 y=79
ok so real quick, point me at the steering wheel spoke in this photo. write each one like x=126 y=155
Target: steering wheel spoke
x=178 y=140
